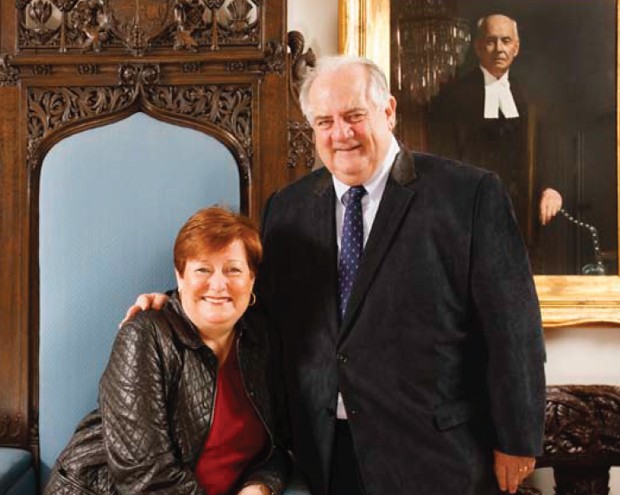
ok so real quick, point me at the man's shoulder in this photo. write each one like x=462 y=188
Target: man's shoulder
x=429 y=166
x=316 y=182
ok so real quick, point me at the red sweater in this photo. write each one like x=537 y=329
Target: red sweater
x=237 y=436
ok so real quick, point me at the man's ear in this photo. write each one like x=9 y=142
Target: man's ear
x=390 y=111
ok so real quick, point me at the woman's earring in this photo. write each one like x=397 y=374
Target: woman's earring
x=252 y=299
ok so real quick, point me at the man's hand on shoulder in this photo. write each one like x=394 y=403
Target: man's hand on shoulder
x=256 y=489
x=154 y=300
x=511 y=470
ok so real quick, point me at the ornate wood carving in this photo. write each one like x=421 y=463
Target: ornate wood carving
x=301 y=151
x=87 y=69
x=237 y=66
x=139 y=74
x=582 y=421
x=10 y=427
x=581 y=480
x=9 y=75
x=274 y=58
x=300 y=62
x=138 y=27
x=582 y=437
x=41 y=70
x=191 y=67
x=50 y=109
x=226 y=107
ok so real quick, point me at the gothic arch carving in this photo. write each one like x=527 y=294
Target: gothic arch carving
x=223 y=111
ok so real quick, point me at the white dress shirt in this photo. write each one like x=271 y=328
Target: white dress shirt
x=375 y=187
x=498 y=97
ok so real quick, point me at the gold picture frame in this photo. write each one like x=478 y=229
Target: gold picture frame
x=567 y=300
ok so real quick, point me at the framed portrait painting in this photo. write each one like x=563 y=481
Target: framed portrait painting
x=528 y=89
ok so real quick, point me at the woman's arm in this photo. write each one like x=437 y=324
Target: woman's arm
x=134 y=410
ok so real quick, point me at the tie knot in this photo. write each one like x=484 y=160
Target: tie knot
x=353 y=195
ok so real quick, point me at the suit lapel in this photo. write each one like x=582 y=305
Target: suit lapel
x=393 y=207
x=324 y=218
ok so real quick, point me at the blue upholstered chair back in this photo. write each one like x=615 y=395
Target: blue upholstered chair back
x=112 y=200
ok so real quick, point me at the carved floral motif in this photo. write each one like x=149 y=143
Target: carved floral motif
x=50 y=109
x=582 y=420
x=191 y=67
x=39 y=13
x=9 y=75
x=42 y=70
x=237 y=66
x=300 y=62
x=582 y=437
x=301 y=150
x=87 y=69
x=274 y=58
x=226 y=107
x=92 y=20
x=139 y=74
x=138 y=26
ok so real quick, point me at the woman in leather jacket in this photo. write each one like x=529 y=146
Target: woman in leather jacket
x=189 y=402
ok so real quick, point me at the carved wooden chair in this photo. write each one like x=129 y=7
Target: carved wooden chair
x=219 y=68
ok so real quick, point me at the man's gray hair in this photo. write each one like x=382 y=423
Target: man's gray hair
x=483 y=20
x=378 y=90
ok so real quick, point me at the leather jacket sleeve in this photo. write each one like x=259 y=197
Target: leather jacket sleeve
x=272 y=473
x=136 y=436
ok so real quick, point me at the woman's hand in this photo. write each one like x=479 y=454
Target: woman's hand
x=257 y=489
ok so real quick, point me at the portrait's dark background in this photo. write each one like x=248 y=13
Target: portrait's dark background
x=567 y=71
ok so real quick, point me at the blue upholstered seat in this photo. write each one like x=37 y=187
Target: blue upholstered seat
x=16 y=472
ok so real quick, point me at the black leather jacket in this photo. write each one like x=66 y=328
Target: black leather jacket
x=156 y=401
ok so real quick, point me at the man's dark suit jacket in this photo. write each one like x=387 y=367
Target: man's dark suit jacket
x=440 y=355
x=458 y=129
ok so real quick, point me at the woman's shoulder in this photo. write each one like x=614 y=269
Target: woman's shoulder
x=156 y=333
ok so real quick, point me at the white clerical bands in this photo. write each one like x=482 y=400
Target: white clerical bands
x=498 y=97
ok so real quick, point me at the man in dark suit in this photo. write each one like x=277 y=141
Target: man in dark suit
x=432 y=373
x=482 y=118
x=411 y=334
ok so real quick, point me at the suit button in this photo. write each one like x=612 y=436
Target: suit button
x=342 y=359
x=352 y=412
